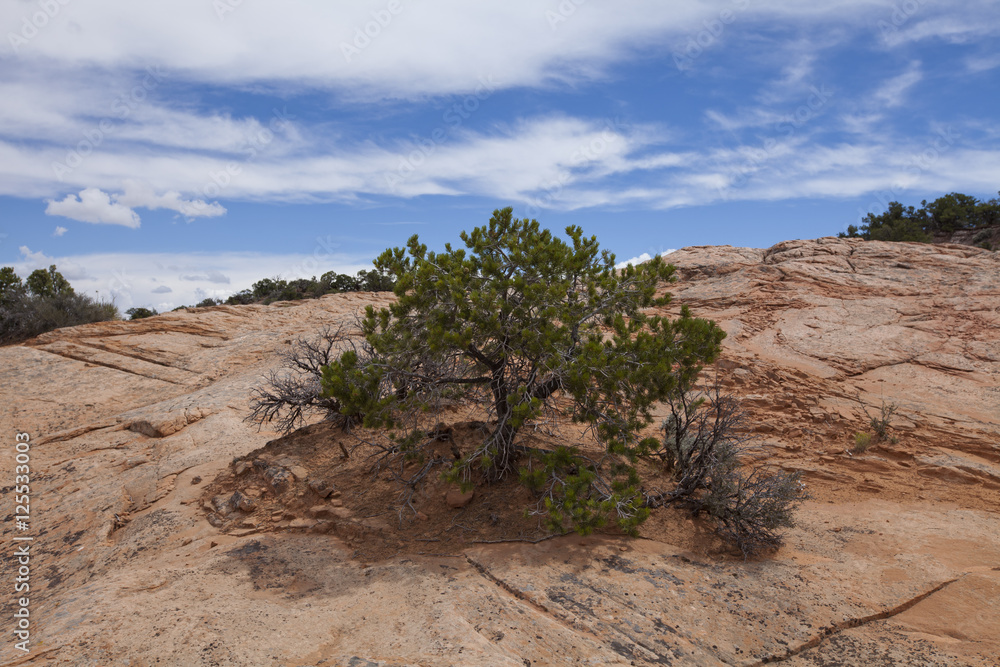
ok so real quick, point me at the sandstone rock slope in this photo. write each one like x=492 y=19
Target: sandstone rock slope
x=896 y=558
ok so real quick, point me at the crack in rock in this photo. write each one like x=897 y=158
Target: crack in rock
x=851 y=623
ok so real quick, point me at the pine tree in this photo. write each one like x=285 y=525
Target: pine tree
x=514 y=319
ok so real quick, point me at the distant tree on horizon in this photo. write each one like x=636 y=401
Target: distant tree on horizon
x=43 y=302
x=945 y=215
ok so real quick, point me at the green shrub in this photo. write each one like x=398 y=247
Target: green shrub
x=862 y=441
x=878 y=423
x=506 y=323
x=270 y=290
x=140 y=313
x=881 y=422
x=46 y=301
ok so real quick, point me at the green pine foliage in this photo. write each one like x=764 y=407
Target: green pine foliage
x=945 y=215
x=270 y=290
x=140 y=313
x=511 y=320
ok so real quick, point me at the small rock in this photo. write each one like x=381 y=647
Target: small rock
x=195 y=480
x=212 y=545
x=186 y=541
x=243 y=532
x=299 y=472
x=243 y=502
x=321 y=487
x=278 y=478
x=337 y=502
x=215 y=520
x=224 y=505
x=456 y=499
x=321 y=511
x=302 y=523
x=422 y=517
x=322 y=527
x=241 y=468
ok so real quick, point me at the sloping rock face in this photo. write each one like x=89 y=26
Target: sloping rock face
x=895 y=559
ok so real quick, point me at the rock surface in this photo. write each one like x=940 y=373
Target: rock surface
x=895 y=559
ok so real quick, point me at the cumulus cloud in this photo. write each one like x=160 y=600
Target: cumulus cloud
x=96 y=206
x=141 y=195
x=31 y=260
x=59 y=231
x=93 y=205
x=34 y=259
x=162 y=289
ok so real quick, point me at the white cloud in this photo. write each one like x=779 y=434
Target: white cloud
x=955 y=27
x=892 y=93
x=210 y=276
x=983 y=63
x=69 y=81
x=34 y=260
x=422 y=50
x=93 y=205
x=141 y=195
x=31 y=260
x=59 y=231
x=494 y=162
x=644 y=257
x=744 y=118
x=136 y=279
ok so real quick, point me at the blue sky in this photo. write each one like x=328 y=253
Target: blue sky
x=159 y=153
